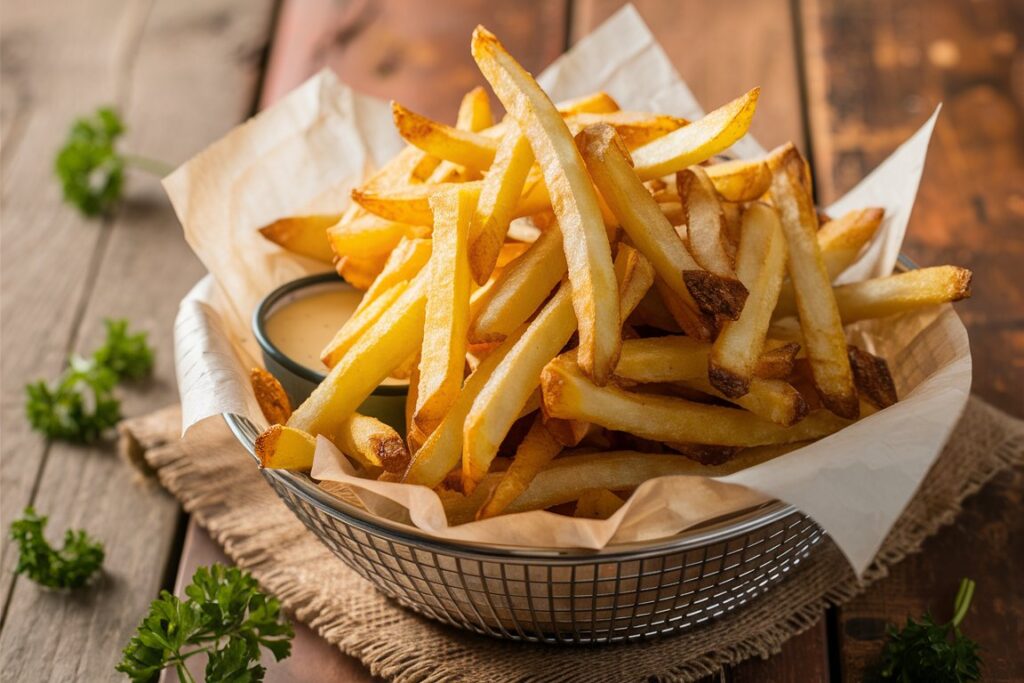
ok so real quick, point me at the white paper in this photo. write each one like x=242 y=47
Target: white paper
x=310 y=148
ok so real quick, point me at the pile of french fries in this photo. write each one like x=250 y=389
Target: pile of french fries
x=583 y=298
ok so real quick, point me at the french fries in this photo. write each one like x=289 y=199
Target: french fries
x=761 y=265
x=487 y=249
x=822 y=327
x=303 y=235
x=568 y=394
x=574 y=201
x=698 y=141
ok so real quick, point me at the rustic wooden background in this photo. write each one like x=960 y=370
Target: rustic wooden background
x=847 y=81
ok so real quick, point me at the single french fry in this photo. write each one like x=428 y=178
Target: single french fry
x=466 y=148
x=384 y=346
x=568 y=394
x=303 y=235
x=760 y=266
x=635 y=128
x=840 y=241
x=597 y=504
x=411 y=203
x=705 y=221
x=773 y=399
x=442 y=358
x=598 y=102
x=698 y=141
x=285 y=448
x=777 y=362
x=574 y=201
x=535 y=451
x=441 y=451
x=824 y=340
x=635 y=276
x=655 y=360
x=639 y=215
x=498 y=198
x=740 y=180
x=520 y=289
x=357 y=325
x=271 y=396
x=365 y=235
x=403 y=264
x=474 y=115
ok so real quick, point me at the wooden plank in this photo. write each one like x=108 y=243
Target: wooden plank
x=723 y=52
x=697 y=35
x=313 y=658
x=415 y=52
x=58 y=63
x=174 y=106
x=876 y=69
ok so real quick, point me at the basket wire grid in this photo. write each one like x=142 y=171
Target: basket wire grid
x=621 y=593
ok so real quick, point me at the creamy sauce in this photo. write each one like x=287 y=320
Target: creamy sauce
x=302 y=327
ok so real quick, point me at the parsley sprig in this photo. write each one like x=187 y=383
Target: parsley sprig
x=939 y=653
x=225 y=616
x=80 y=406
x=90 y=167
x=69 y=567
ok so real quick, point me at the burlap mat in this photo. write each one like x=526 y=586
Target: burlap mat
x=217 y=482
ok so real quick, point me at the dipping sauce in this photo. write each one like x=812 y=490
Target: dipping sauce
x=302 y=325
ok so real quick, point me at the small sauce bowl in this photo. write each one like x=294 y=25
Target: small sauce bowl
x=386 y=403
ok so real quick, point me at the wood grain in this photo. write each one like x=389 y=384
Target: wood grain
x=414 y=52
x=876 y=70
x=138 y=268
x=721 y=51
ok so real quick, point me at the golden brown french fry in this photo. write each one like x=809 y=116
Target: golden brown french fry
x=403 y=264
x=822 y=328
x=883 y=296
x=871 y=373
x=597 y=504
x=574 y=201
x=474 y=115
x=773 y=399
x=520 y=289
x=639 y=215
x=365 y=235
x=384 y=346
x=840 y=241
x=656 y=360
x=777 y=362
x=498 y=198
x=271 y=396
x=441 y=452
x=466 y=148
x=443 y=356
x=357 y=325
x=411 y=203
x=366 y=439
x=303 y=235
x=635 y=276
x=535 y=451
x=705 y=222
x=740 y=180
x=568 y=394
x=598 y=102
x=413 y=436
x=635 y=128
x=760 y=265
x=698 y=141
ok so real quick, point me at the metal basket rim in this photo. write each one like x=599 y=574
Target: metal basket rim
x=717 y=531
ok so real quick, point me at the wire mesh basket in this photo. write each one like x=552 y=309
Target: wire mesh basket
x=621 y=593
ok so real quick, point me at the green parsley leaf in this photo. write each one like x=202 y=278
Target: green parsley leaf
x=78 y=407
x=127 y=355
x=225 y=615
x=938 y=653
x=70 y=567
x=90 y=169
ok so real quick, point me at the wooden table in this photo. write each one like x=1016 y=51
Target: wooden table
x=846 y=80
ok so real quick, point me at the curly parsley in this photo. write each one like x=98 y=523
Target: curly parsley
x=939 y=653
x=90 y=167
x=70 y=567
x=80 y=406
x=225 y=616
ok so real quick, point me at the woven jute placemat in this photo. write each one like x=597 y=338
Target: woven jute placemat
x=215 y=480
